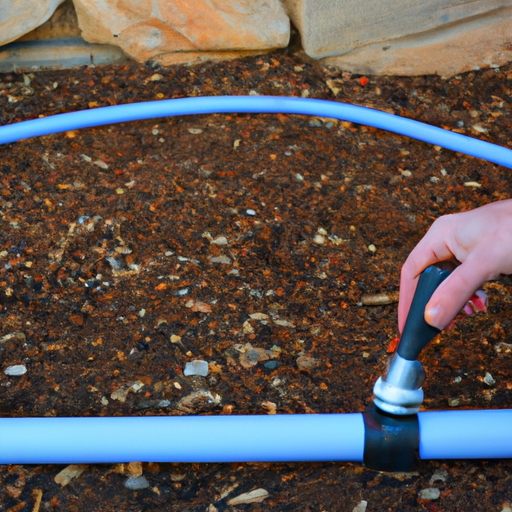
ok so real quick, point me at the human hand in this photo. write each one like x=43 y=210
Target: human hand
x=480 y=240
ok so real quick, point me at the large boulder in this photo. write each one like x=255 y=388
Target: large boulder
x=150 y=30
x=481 y=42
x=401 y=37
x=18 y=17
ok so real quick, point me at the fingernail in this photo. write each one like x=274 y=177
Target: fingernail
x=433 y=317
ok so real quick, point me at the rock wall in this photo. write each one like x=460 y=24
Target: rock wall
x=362 y=36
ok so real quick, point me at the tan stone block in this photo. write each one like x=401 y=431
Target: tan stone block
x=147 y=30
x=18 y=17
x=335 y=27
x=481 y=42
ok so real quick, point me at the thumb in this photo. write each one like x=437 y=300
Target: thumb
x=453 y=293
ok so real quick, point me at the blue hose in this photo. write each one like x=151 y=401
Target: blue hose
x=272 y=438
x=466 y=434
x=257 y=104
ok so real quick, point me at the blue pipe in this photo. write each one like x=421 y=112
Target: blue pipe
x=279 y=438
x=257 y=104
x=466 y=434
x=294 y=437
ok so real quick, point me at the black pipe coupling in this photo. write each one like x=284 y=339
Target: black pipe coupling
x=391 y=442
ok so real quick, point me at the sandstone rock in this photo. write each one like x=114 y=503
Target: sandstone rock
x=62 y=24
x=152 y=30
x=334 y=27
x=481 y=42
x=18 y=17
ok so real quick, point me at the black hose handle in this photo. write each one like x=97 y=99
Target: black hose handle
x=417 y=333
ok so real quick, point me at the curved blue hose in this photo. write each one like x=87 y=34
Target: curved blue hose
x=257 y=104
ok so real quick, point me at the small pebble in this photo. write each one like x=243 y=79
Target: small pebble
x=306 y=363
x=269 y=407
x=272 y=365
x=16 y=370
x=250 y=211
x=256 y=496
x=259 y=316
x=431 y=493
x=220 y=240
x=361 y=506
x=319 y=239
x=101 y=164
x=195 y=131
x=372 y=248
x=489 y=380
x=16 y=336
x=136 y=483
x=223 y=260
x=196 y=367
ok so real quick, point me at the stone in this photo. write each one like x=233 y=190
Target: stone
x=196 y=367
x=431 y=493
x=334 y=27
x=15 y=336
x=223 y=260
x=390 y=37
x=18 y=17
x=477 y=43
x=306 y=364
x=153 y=30
x=121 y=393
x=256 y=496
x=69 y=473
x=134 y=469
x=361 y=506
x=62 y=24
x=16 y=370
x=198 y=401
x=136 y=483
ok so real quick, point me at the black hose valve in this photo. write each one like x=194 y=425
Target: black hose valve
x=399 y=391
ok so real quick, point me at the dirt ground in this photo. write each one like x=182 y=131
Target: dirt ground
x=246 y=241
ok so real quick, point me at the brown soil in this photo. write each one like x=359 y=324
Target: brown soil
x=106 y=269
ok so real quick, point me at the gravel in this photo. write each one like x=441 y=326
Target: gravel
x=136 y=483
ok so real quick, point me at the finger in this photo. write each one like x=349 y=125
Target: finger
x=454 y=292
x=430 y=250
